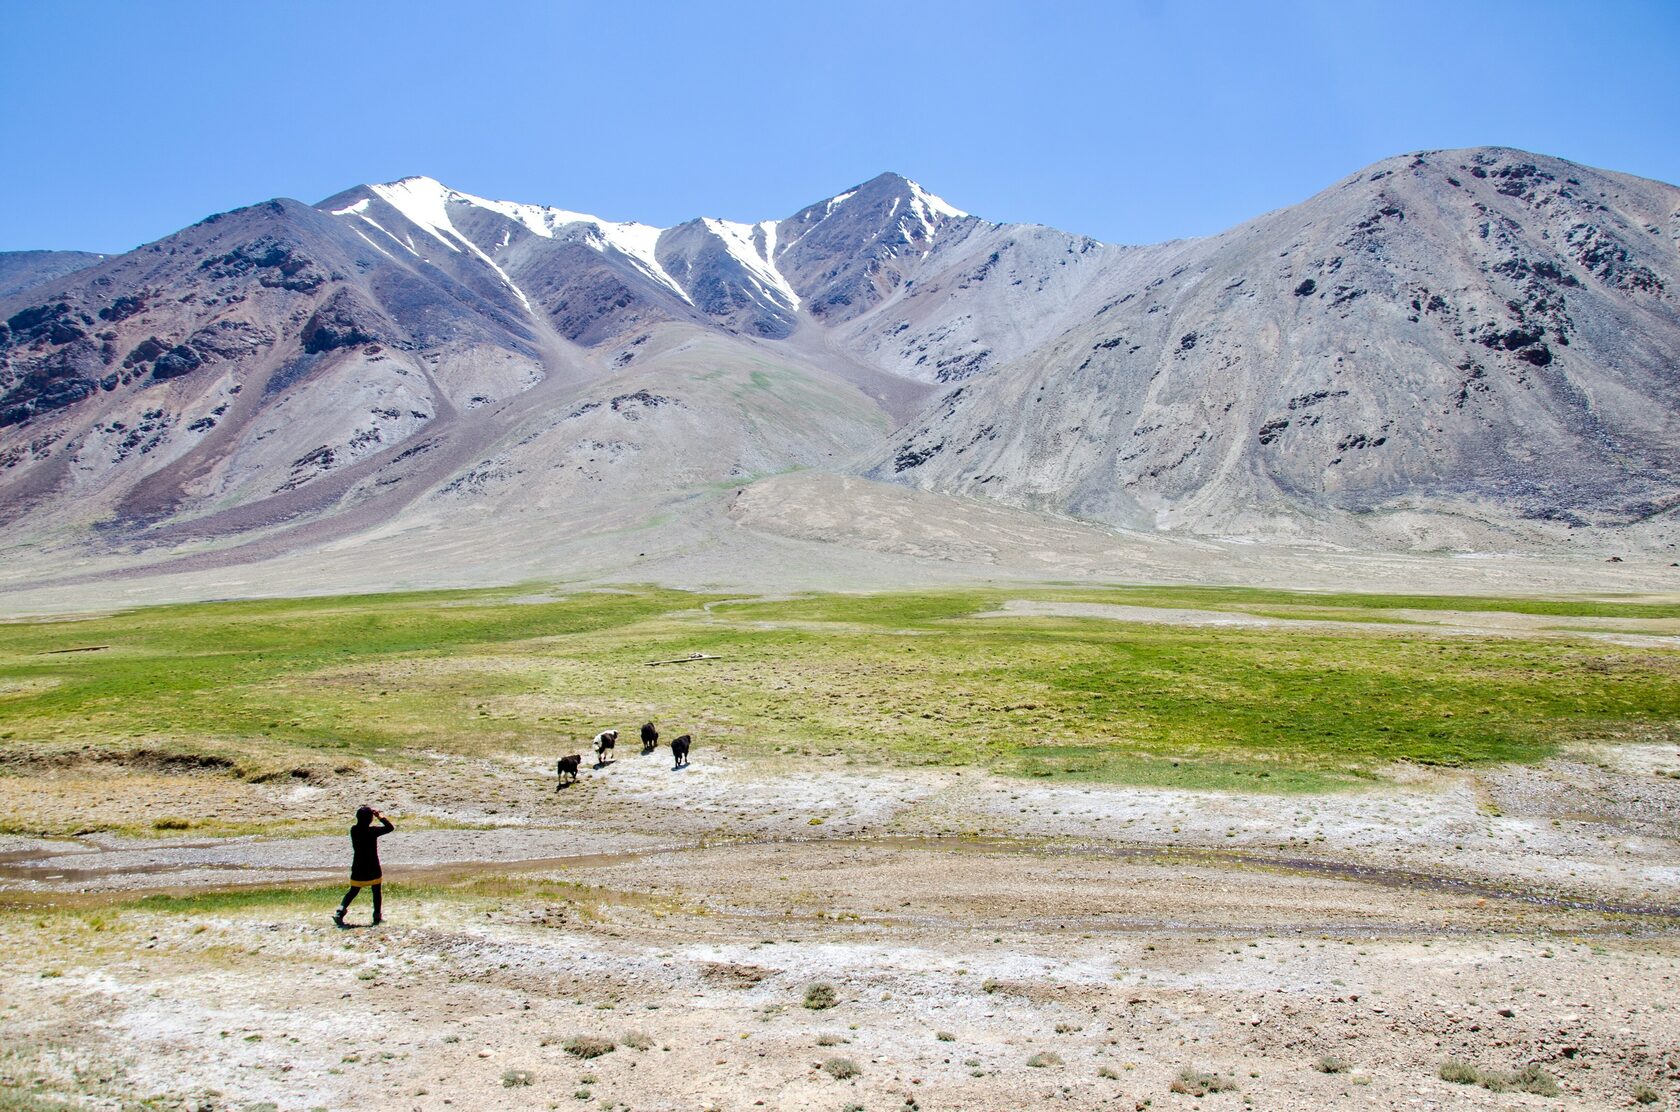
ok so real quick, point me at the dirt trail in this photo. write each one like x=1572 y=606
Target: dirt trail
x=107 y=874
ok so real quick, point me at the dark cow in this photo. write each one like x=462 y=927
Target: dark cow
x=650 y=737
x=603 y=744
x=568 y=766
x=679 y=750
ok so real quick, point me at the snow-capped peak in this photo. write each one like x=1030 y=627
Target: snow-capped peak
x=427 y=202
x=433 y=208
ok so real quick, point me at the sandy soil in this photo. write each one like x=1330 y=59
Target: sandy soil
x=966 y=922
x=791 y=532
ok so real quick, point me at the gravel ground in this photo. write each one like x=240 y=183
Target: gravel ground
x=970 y=926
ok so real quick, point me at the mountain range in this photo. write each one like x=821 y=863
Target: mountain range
x=1447 y=350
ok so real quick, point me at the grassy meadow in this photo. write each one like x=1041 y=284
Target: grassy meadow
x=268 y=687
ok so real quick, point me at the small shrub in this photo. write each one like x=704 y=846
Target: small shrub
x=828 y=1038
x=515 y=1079
x=1460 y=1073
x=1067 y=1028
x=841 y=1068
x=171 y=824
x=1532 y=1079
x=820 y=997
x=637 y=1040
x=1108 y=1072
x=944 y=1036
x=1044 y=1058
x=1332 y=1064
x=1644 y=1094
x=586 y=1047
x=990 y=984
x=1198 y=1084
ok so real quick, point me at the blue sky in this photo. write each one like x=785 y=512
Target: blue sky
x=1129 y=121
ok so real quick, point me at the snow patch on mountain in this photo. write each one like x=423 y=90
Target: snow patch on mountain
x=426 y=203
x=628 y=238
x=929 y=204
x=754 y=247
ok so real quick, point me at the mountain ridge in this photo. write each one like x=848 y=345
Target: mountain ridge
x=1446 y=349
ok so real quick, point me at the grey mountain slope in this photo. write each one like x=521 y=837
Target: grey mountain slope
x=719 y=283
x=847 y=254
x=1441 y=349
x=1485 y=333
x=20 y=270
x=989 y=295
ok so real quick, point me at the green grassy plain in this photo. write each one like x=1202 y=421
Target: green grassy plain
x=894 y=679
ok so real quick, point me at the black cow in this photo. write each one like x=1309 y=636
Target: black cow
x=650 y=737
x=603 y=744
x=679 y=750
x=568 y=766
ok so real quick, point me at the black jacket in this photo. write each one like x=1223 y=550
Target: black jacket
x=364 y=841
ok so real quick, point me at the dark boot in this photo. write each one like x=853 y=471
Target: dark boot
x=344 y=905
x=377 y=917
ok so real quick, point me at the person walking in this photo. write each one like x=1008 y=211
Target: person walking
x=364 y=860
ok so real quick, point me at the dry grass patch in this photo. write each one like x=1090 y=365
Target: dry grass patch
x=587 y=1046
x=1529 y=1079
x=1198 y=1084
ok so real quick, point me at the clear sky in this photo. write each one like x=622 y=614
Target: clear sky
x=1129 y=121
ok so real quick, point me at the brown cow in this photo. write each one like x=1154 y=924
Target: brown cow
x=679 y=750
x=568 y=766
x=650 y=737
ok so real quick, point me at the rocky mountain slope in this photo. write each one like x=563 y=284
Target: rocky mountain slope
x=20 y=270
x=1447 y=347
x=1444 y=341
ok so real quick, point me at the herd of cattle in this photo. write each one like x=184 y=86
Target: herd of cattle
x=606 y=740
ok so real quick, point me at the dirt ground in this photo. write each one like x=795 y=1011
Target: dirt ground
x=804 y=531
x=991 y=943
